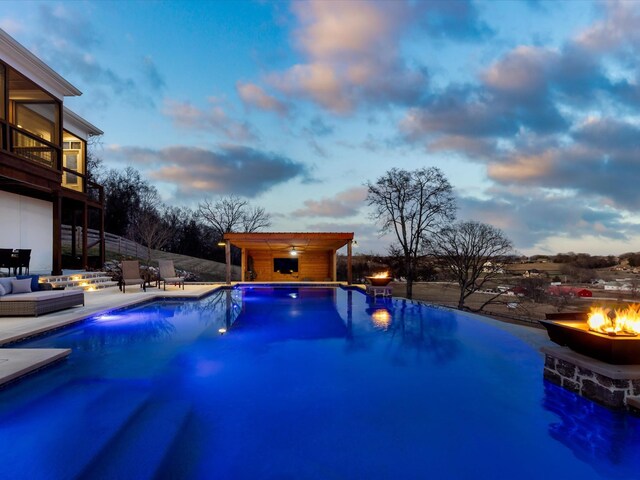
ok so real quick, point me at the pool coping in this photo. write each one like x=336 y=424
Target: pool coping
x=17 y=363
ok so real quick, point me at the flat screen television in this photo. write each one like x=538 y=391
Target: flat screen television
x=285 y=265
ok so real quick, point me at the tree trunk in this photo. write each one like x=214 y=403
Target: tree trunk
x=461 y=299
x=410 y=275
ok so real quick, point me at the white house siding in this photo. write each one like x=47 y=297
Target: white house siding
x=28 y=223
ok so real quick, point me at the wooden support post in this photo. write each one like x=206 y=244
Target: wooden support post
x=243 y=265
x=85 y=233
x=349 y=276
x=334 y=266
x=103 y=246
x=227 y=256
x=74 y=238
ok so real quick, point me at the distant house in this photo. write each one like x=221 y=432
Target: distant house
x=490 y=267
x=618 y=286
x=560 y=291
x=519 y=291
x=532 y=273
x=43 y=166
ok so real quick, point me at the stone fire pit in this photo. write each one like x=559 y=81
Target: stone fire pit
x=618 y=349
x=599 y=366
x=379 y=281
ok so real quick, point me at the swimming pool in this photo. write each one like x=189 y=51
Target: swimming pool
x=306 y=383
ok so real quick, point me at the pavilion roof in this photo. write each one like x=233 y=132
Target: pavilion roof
x=302 y=241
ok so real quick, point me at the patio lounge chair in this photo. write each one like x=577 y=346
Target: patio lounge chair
x=131 y=275
x=167 y=274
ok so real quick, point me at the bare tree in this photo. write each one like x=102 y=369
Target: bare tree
x=147 y=226
x=412 y=204
x=254 y=219
x=534 y=288
x=232 y=214
x=473 y=252
x=95 y=164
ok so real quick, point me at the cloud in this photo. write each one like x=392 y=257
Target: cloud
x=198 y=172
x=366 y=235
x=344 y=204
x=71 y=30
x=152 y=75
x=12 y=26
x=514 y=93
x=597 y=160
x=254 y=96
x=69 y=41
x=317 y=126
x=549 y=118
x=619 y=27
x=457 y=20
x=531 y=218
x=351 y=53
x=185 y=115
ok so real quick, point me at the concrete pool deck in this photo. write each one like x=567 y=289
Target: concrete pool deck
x=17 y=362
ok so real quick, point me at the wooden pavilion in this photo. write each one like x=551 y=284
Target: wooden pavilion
x=289 y=256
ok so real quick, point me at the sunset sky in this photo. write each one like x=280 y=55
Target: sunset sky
x=531 y=108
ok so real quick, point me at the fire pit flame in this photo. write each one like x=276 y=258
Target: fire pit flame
x=381 y=275
x=625 y=321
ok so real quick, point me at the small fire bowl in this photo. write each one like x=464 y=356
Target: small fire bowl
x=616 y=350
x=379 y=281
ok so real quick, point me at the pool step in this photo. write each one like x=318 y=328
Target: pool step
x=62 y=433
x=140 y=447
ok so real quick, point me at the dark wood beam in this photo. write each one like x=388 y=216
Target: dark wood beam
x=85 y=227
x=227 y=257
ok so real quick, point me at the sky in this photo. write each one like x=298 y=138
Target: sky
x=530 y=108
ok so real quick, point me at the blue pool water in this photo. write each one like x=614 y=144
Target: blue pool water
x=305 y=384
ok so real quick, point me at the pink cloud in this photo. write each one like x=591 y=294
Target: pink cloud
x=621 y=25
x=351 y=51
x=255 y=96
x=523 y=168
x=188 y=116
x=345 y=204
x=523 y=69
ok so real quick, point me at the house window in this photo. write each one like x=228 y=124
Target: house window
x=73 y=161
x=38 y=119
x=34 y=118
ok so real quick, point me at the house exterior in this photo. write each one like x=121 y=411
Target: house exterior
x=44 y=181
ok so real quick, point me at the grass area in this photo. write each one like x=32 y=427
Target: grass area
x=206 y=270
x=549 y=268
x=447 y=294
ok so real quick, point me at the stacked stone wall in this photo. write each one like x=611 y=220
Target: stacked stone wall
x=607 y=391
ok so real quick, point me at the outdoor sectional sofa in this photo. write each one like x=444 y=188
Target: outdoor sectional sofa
x=39 y=302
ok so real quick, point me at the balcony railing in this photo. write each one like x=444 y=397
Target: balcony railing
x=95 y=191
x=33 y=148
